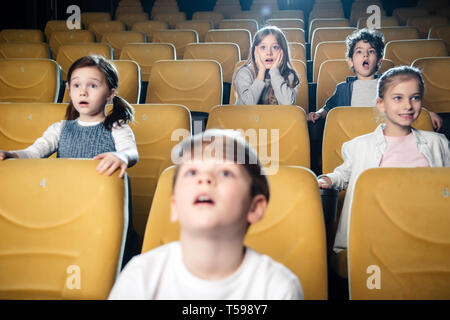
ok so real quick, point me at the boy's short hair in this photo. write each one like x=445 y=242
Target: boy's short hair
x=224 y=145
x=374 y=37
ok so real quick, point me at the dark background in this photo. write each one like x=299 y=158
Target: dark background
x=33 y=14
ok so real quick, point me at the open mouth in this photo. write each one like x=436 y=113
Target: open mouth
x=203 y=200
x=269 y=60
x=83 y=103
x=365 y=64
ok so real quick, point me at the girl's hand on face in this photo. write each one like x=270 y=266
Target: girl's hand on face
x=260 y=65
x=278 y=61
x=111 y=163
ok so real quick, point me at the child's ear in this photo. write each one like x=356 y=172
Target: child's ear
x=111 y=95
x=257 y=208
x=350 y=62
x=173 y=211
x=380 y=105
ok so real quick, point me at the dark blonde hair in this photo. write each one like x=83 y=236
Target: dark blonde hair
x=286 y=68
x=231 y=144
x=397 y=74
x=122 y=111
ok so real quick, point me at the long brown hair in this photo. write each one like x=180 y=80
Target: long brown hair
x=286 y=68
x=122 y=111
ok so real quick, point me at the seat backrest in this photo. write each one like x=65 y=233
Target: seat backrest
x=25 y=50
x=341 y=126
x=130 y=79
x=423 y=24
x=241 y=37
x=172 y=18
x=22 y=123
x=29 y=80
x=196 y=84
x=278 y=133
x=62 y=226
x=200 y=26
x=404 y=52
x=327 y=50
x=294 y=35
x=130 y=18
x=324 y=13
x=403 y=14
x=326 y=23
x=216 y=17
x=361 y=13
x=69 y=53
x=54 y=25
x=118 y=39
x=297 y=51
x=399 y=244
x=89 y=17
x=399 y=33
x=292 y=231
x=225 y=53
x=179 y=38
x=149 y=27
x=333 y=71
x=249 y=24
x=385 y=21
x=287 y=23
x=329 y=34
x=21 y=35
x=154 y=128
x=288 y=14
x=435 y=71
x=433 y=6
x=441 y=32
x=58 y=38
x=145 y=54
x=302 y=89
x=100 y=28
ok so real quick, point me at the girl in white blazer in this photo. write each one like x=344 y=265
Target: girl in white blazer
x=393 y=144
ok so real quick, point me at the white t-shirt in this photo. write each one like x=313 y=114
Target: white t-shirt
x=160 y=274
x=364 y=93
x=44 y=146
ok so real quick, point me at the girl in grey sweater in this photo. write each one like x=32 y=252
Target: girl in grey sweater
x=268 y=76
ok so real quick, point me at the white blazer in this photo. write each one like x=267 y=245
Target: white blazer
x=365 y=152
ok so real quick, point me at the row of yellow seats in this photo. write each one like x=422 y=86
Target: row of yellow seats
x=204 y=89
x=49 y=253
x=278 y=133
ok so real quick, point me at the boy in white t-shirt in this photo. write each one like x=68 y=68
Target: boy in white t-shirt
x=219 y=189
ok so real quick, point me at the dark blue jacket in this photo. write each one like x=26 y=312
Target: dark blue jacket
x=342 y=96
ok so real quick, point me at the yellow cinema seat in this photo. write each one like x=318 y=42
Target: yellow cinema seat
x=297 y=51
x=241 y=37
x=149 y=27
x=326 y=23
x=423 y=24
x=54 y=25
x=226 y=53
x=385 y=21
x=155 y=129
x=89 y=17
x=286 y=23
x=172 y=18
x=22 y=123
x=69 y=53
x=200 y=26
x=118 y=39
x=403 y=14
x=249 y=24
x=63 y=227
x=404 y=52
x=179 y=38
x=399 y=33
x=26 y=50
x=329 y=34
x=435 y=71
x=21 y=35
x=29 y=80
x=168 y=84
x=440 y=32
x=130 y=18
x=59 y=38
x=292 y=231
x=294 y=35
x=278 y=133
x=145 y=54
x=288 y=14
x=399 y=244
x=327 y=50
x=100 y=28
x=215 y=17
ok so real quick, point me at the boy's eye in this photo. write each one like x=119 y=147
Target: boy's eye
x=191 y=172
x=226 y=173
x=372 y=51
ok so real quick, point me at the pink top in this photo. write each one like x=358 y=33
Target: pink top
x=402 y=152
